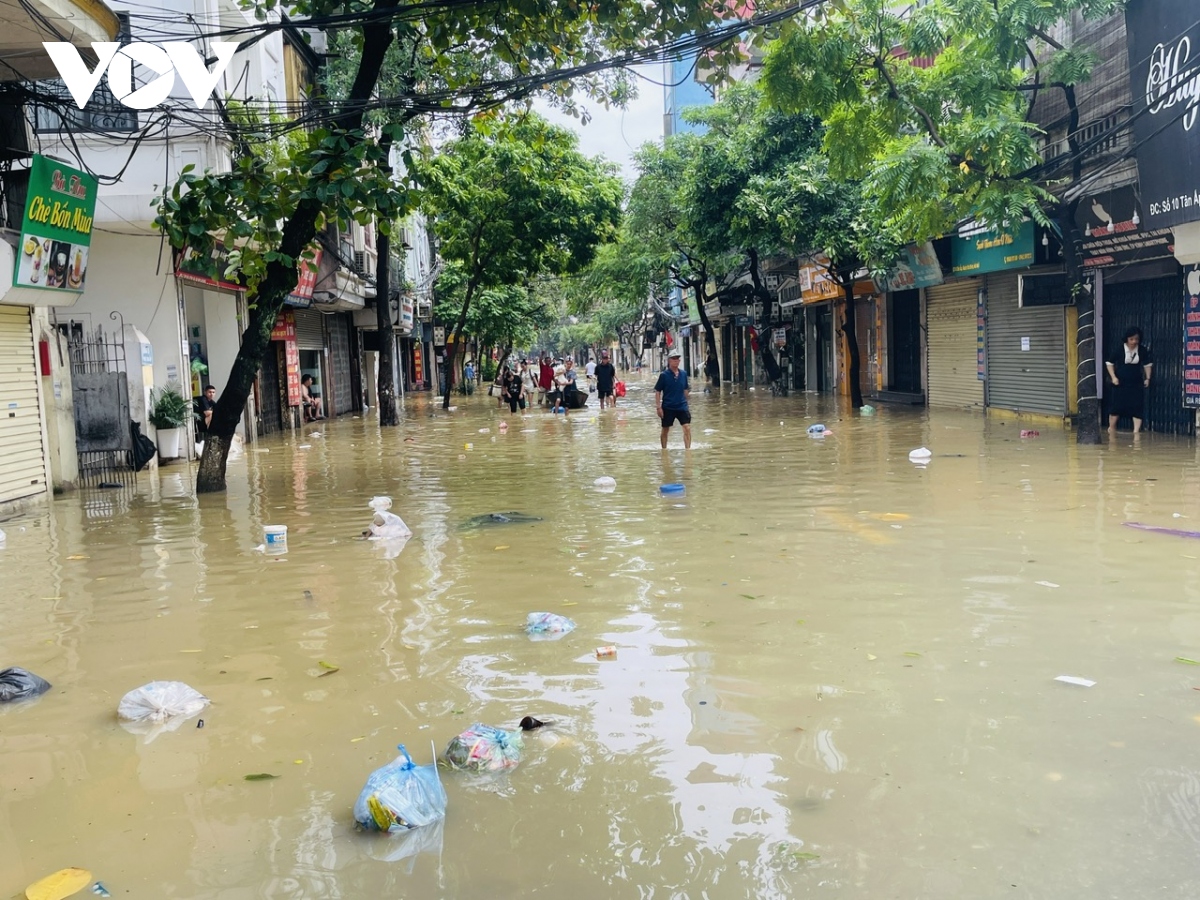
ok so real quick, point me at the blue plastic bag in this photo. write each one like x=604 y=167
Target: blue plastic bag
x=547 y=626
x=482 y=748
x=400 y=796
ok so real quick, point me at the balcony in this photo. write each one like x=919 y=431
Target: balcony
x=29 y=22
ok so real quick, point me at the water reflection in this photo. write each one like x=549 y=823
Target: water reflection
x=834 y=671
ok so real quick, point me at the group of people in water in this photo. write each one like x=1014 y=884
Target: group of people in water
x=555 y=384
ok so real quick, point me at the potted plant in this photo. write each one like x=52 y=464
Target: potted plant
x=169 y=415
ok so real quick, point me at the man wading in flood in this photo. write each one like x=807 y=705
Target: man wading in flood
x=671 y=393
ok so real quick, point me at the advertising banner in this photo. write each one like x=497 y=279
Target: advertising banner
x=917 y=268
x=975 y=251
x=1164 y=53
x=1114 y=231
x=285 y=330
x=57 y=230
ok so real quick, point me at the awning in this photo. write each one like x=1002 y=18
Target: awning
x=27 y=23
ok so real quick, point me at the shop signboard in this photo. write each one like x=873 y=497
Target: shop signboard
x=56 y=234
x=779 y=337
x=406 y=313
x=918 y=267
x=207 y=270
x=977 y=250
x=693 y=308
x=816 y=285
x=418 y=359
x=1164 y=49
x=306 y=281
x=1191 y=339
x=284 y=330
x=1114 y=231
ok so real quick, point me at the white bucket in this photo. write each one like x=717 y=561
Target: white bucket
x=275 y=538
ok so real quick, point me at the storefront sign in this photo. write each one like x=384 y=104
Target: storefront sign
x=693 y=308
x=285 y=330
x=917 y=268
x=816 y=285
x=406 y=313
x=207 y=270
x=1114 y=233
x=981 y=336
x=57 y=232
x=779 y=337
x=975 y=251
x=418 y=364
x=1164 y=50
x=1191 y=339
x=306 y=282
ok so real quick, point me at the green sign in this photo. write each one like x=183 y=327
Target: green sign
x=57 y=232
x=692 y=308
x=975 y=252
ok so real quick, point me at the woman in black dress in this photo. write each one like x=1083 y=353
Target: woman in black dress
x=1129 y=371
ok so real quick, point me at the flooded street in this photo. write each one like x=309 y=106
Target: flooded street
x=834 y=674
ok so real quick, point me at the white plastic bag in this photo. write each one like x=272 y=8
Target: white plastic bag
x=159 y=701
x=388 y=526
x=380 y=503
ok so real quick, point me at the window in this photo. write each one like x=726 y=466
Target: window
x=103 y=112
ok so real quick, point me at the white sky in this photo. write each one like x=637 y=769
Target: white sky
x=617 y=133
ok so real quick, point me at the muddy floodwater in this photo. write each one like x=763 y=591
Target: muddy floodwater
x=835 y=670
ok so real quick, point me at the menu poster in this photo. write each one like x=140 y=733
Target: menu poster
x=1191 y=339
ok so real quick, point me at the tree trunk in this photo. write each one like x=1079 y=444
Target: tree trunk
x=764 y=324
x=456 y=339
x=299 y=231
x=710 y=339
x=850 y=330
x=388 y=415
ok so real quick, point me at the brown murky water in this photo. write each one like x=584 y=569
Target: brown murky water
x=835 y=673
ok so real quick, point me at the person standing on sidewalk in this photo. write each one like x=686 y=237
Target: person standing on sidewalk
x=606 y=379
x=671 y=394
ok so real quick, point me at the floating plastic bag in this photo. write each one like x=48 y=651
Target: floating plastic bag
x=816 y=429
x=921 y=455
x=548 y=626
x=482 y=748
x=379 y=504
x=388 y=526
x=160 y=701
x=605 y=483
x=19 y=684
x=400 y=796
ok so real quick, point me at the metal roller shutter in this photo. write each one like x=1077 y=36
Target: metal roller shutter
x=310 y=330
x=22 y=457
x=1025 y=380
x=953 y=359
x=339 y=349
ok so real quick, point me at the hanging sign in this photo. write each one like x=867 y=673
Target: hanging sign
x=208 y=270
x=406 y=313
x=976 y=250
x=57 y=230
x=1191 y=339
x=285 y=330
x=306 y=281
x=918 y=267
x=1114 y=233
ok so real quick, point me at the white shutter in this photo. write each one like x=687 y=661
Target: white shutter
x=22 y=458
x=953 y=351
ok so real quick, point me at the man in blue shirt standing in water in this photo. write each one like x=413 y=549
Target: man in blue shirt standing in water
x=671 y=394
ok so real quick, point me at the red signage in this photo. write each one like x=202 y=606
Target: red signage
x=285 y=330
x=308 y=277
x=418 y=368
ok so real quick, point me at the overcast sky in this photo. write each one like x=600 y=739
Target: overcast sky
x=617 y=133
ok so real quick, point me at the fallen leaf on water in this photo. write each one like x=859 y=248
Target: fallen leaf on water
x=77 y=556
x=912 y=654
x=327 y=665
x=799 y=621
x=260 y=776
x=191 y=651
x=298 y=762
x=1186 y=661
x=570 y=603
x=357 y=739
x=749 y=596
x=264 y=678
x=502 y=547
x=62 y=883
x=872 y=656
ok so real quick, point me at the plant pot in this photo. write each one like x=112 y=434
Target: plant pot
x=168 y=442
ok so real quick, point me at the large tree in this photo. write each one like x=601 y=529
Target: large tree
x=949 y=139
x=472 y=56
x=513 y=199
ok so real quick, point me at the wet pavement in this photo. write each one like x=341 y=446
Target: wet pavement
x=834 y=673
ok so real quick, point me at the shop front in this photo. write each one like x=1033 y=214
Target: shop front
x=903 y=371
x=825 y=356
x=953 y=325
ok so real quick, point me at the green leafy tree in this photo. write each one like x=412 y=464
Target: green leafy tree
x=511 y=200
x=935 y=145
x=505 y=317
x=457 y=58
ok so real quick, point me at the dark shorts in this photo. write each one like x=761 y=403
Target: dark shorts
x=604 y=393
x=671 y=416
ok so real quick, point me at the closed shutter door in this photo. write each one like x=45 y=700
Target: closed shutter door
x=1025 y=380
x=864 y=332
x=22 y=459
x=953 y=358
x=310 y=330
x=1156 y=306
x=271 y=393
x=339 y=349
